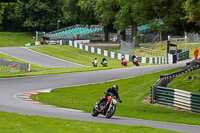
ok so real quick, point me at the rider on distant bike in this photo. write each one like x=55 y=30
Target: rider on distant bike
x=110 y=92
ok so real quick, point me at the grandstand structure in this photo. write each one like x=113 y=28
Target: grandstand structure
x=77 y=32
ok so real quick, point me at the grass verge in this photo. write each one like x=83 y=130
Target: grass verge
x=132 y=91
x=34 y=68
x=76 y=55
x=11 y=122
x=12 y=39
x=68 y=53
x=187 y=81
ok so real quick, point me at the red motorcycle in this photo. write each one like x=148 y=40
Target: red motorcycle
x=135 y=61
x=106 y=108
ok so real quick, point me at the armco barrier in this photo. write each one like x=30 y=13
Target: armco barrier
x=156 y=60
x=18 y=65
x=178 y=98
x=174 y=97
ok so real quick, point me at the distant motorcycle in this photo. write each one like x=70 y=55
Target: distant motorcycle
x=135 y=61
x=107 y=108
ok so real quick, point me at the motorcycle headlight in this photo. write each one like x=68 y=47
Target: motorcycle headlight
x=114 y=101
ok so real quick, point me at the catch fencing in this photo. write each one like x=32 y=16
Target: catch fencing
x=14 y=64
x=153 y=52
x=127 y=47
x=174 y=97
x=193 y=38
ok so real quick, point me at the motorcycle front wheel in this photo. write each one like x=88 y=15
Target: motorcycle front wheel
x=94 y=112
x=111 y=112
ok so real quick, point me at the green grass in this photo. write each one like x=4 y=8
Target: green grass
x=11 y=122
x=34 y=68
x=157 y=46
x=68 y=53
x=4 y=70
x=73 y=54
x=132 y=91
x=187 y=81
x=12 y=39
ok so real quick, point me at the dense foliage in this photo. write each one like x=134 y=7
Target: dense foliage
x=177 y=16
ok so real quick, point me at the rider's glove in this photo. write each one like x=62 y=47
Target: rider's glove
x=120 y=101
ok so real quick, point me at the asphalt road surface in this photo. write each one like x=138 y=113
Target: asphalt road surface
x=9 y=87
x=37 y=58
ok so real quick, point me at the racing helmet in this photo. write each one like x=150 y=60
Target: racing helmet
x=115 y=87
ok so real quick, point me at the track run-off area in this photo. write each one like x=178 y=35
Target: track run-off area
x=9 y=87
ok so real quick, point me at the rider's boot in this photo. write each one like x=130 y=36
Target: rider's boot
x=97 y=107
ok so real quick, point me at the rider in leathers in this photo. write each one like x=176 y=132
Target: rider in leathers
x=110 y=92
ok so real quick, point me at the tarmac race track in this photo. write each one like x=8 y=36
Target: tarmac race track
x=37 y=58
x=9 y=87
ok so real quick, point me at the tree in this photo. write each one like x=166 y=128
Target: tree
x=105 y=11
x=1 y=11
x=87 y=15
x=192 y=8
x=171 y=13
x=36 y=14
x=125 y=17
x=80 y=11
x=71 y=11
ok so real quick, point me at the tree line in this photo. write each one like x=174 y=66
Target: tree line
x=177 y=16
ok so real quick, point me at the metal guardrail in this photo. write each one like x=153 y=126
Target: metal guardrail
x=174 y=97
x=178 y=98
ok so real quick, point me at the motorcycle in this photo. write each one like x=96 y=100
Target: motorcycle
x=135 y=61
x=106 y=108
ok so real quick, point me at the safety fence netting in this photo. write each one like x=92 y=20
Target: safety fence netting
x=193 y=38
x=127 y=47
x=16 y=66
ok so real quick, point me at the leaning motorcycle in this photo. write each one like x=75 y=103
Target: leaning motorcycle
x=135 y=61
x=106 y=108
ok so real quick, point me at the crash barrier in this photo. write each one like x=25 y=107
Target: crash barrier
x=178 y=98
x=31 y=44
x=14 y=64
x=174 y=97
x=157 y=60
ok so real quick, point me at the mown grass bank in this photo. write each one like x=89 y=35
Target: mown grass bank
x=187 y=81
x=12 y=39
x=11 y=122
x=76 y=55
x=67 y=53
x=132 y=92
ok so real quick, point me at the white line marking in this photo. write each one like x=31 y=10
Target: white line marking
x=23 y=60
x=55 y=57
